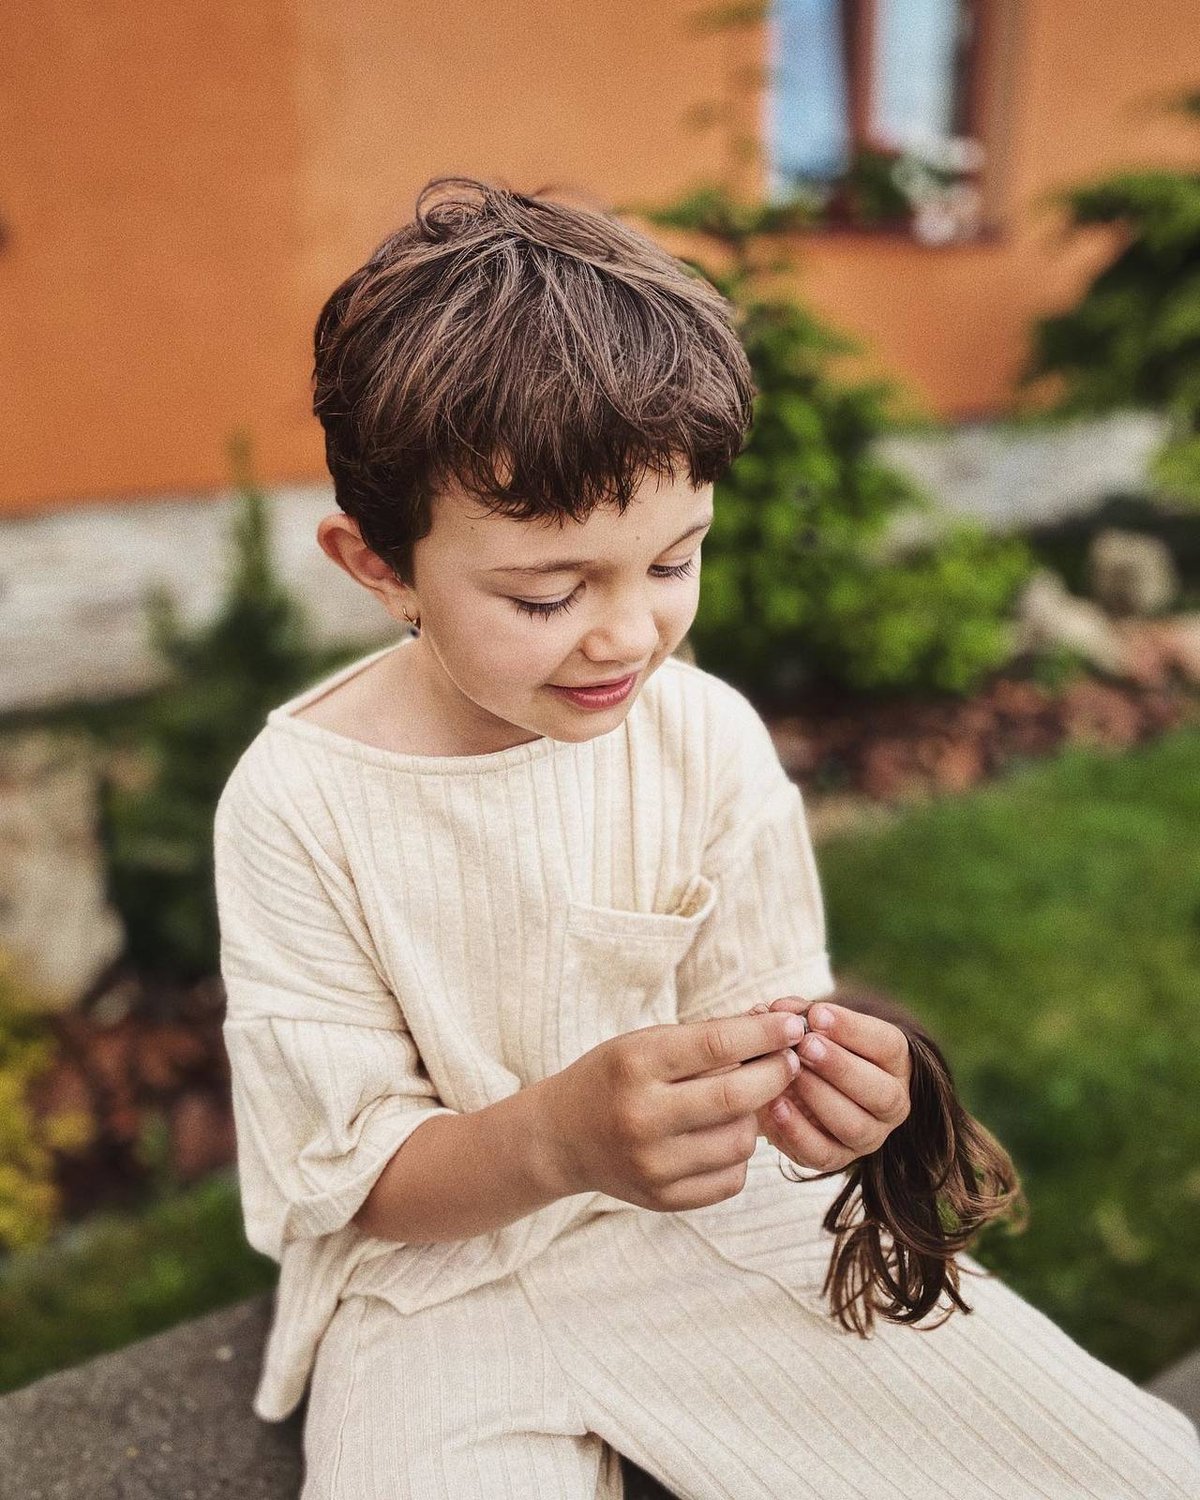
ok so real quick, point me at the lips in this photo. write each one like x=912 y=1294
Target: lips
x=592 y=687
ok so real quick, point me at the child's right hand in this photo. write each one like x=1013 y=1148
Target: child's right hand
x=643 y=1117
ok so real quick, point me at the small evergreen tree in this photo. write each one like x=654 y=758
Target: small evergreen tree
x=1133 y=339
x=224 y=678
x=797 y=586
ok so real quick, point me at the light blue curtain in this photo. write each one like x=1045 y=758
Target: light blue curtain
x=913 y=83
x=807 y=128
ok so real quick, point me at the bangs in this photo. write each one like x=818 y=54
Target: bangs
x=541 y=359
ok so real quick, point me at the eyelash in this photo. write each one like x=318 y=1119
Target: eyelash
x=556 y=606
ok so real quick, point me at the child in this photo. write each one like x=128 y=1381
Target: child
x=497 y=935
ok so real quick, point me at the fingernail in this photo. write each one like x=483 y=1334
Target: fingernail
x=794 y=1028
x=780 y=1110
x=793 y=1061
x=821 y=1016
x=815 y=1049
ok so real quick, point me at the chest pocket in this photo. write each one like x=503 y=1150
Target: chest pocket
x=618 y=967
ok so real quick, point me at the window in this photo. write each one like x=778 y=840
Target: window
x=874 y=111
x=919 y=81
x=809 y=130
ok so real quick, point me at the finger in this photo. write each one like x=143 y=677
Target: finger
x=838 y=1116
x=868 y=1086
x=713 y=1098
x=790 y=1130
x=704 y=1189
x=870 y=1037
x=696 y=1152
x=693 y=1047
x=758 y=1010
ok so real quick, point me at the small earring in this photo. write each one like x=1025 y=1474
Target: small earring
x=416 y=624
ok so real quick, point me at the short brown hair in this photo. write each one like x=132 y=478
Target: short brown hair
x=541 y=357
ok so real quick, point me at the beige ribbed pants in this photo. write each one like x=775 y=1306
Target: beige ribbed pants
x=697 y=1344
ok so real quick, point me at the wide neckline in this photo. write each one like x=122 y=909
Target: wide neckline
x=283 y=718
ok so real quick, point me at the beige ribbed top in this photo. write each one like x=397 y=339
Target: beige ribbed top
x=406 y=935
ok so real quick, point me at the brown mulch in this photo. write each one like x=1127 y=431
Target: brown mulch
x=902 y=750
x=157 y=1091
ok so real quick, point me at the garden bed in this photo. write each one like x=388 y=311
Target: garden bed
x=904 y=749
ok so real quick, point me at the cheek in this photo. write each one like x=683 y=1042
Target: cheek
x=507 y=650
x=681 y=611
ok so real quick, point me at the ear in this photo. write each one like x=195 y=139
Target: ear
x=340 y=539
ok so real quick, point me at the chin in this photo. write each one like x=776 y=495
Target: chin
x=589 y=726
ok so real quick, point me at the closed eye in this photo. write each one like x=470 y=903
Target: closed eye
x=556 y=606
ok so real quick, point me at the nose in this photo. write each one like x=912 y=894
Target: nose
x=624 y=642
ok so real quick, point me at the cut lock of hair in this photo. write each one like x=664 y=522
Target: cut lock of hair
x=541 y=357
x=908 y=1210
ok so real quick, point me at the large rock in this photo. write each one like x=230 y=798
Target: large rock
x=74 y=584
x=55 y=920
x=1009 y=475
x=1131 y=574
x=1049 y=617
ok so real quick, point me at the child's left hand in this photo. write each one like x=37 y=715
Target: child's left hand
x=844 y=1103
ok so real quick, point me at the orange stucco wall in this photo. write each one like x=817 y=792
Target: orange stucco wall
x=182 y=185
x=147 y=186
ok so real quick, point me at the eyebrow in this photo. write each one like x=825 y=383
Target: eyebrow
x=569 y=564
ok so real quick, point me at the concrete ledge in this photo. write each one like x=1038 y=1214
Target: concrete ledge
x=1180 y=1385
x=167 y=1418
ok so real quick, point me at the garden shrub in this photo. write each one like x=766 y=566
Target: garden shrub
x=799 y=586
x=1133 y=338
x=30 y=1203
x=224 y=678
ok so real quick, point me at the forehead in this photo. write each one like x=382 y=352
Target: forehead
x=498 y=545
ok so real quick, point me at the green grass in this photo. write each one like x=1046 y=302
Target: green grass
x=118 y=1277
x=1047 y=929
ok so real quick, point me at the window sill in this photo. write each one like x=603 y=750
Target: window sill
x=896 y=234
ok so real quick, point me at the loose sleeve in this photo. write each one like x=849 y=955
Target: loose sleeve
x=765 y=935
x=326 y=1080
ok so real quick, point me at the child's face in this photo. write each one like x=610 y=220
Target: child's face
x=488 y=660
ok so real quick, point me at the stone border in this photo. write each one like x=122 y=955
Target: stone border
x=73 y=589
x=72 y=583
